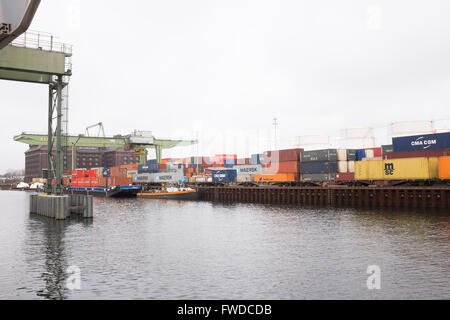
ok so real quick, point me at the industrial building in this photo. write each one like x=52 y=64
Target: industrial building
x=86 y=158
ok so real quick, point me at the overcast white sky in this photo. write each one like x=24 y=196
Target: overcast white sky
x=225 y=69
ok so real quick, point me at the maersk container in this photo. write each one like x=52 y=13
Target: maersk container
x=317 y=176
x=435 y=141
x=360 y=154
x=249 y=169
x=319 y=167
x=319 y=155
x=224 y=175
x=141 y=178
x=166 y=177
x=387 y=149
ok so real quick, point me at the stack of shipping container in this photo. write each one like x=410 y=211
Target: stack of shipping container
x=280 y=165
x=419 y=157
x=327 y=165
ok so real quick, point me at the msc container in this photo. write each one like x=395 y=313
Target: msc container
x=248 y=169
x=444 y=168
x=387 y=149
x=360 y=154
x=398 y=169
x=351 y=166
x=224 y=175
x=437 y=141
x=319 y=155
x=342 y=166
x=319 y=167
x=281 y=177
x=368 y=170
x=317 y=176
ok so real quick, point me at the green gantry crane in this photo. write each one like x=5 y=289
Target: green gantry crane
x=138 y=141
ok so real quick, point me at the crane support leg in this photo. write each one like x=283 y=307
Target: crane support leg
x=55 y=165
x=158 y=150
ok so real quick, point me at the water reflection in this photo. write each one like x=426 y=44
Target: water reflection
x=53 y=249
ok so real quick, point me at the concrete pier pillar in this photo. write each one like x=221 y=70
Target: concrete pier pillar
x=60 y=207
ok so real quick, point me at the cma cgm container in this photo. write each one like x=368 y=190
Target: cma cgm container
x=437 y=141
x=398 y=169
x=224 y=175
x=444 y=168
x=319 y=167
x=319 y=155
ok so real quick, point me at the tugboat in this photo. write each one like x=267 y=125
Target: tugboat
x=171 y=193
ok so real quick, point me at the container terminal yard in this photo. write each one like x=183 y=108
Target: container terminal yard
x=96 y=216
x=412 y=172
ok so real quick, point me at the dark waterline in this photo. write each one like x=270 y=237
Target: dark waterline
x=156 y=249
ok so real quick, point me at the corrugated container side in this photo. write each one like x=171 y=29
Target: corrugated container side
x=281 y=177
x=341 y=154
x=351 y=166
x=319 y=155
x=344 y=176
x=342 y=166
x=319 y=167
x=444 y=168
x=387 y=149
x=417 y=154
x=368 y=170
x=317 y=177
x=410 y=169
x=436 y=141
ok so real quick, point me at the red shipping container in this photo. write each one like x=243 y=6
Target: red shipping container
x=417 y=154
x=282 y=155
x=163 y=167
x=344 y=176
x=376 y=151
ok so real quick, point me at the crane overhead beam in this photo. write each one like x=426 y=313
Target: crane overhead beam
x=106 y=142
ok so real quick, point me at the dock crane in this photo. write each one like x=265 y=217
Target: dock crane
x=139 y=141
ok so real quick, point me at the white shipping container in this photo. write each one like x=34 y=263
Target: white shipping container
x=249 y=169
x=369 y=154
x=373 y=158
x=342 y=155
x=351 y=166
x=342 y=166
x=141 y=177
x=132 y=172
x=244 y=178
x=200 y=179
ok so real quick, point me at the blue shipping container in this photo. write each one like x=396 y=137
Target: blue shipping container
x=436 y=141
x=143 y=168
x=106 y=172
x=360 y=154
x=224 y=175
x=318 y=167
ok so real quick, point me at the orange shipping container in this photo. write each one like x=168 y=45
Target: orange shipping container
x=444 y=167
x=281 y=177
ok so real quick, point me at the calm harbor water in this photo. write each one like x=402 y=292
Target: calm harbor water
x=156 y=249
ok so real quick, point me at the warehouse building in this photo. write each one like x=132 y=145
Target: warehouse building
x=86 y=158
